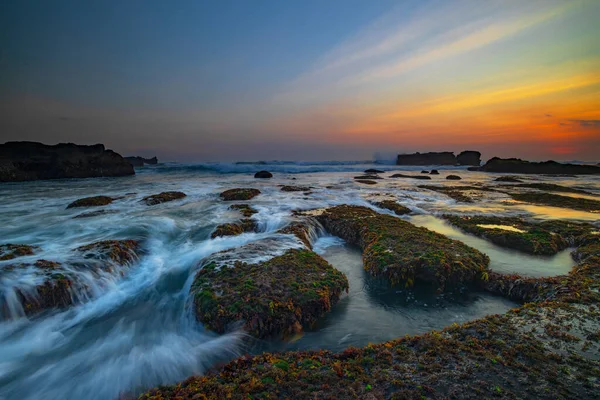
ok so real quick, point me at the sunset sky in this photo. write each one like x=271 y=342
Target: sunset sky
x=302 y=79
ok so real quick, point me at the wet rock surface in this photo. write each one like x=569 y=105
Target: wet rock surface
x=30 y=161
x=277 y=297
x=94 y=201
x=163 y=198
x=10 y=251
x=263 y=175
x=239 y=194
x=394 y=206
x=234 y=228
x=245 y=209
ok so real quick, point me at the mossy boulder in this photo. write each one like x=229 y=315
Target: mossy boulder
x=392 y=205
x=94 y=201
x=239 y=194
x=555 y=200
x=9 y=251
x=403 y=253
x=245 y=209
x=163 y=198
x=273 y=298
x=234 y=228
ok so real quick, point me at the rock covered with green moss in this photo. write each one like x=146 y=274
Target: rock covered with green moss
x=9 y=251
x=94 y=201
x=234 y=228
x=403 y=253
x=239 y=194
x=163 y=198
x=394 y=206
x=272 y=298
x=244 y=209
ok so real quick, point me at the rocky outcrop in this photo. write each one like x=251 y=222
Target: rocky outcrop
x=140 y=161
x=469 y=157
x=441 y=158
x=392 y=205
x=9 y=251
x=277 y=297
x=30 y=161
x=234 y=228
x=518 y=166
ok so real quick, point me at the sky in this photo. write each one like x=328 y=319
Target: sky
x=236 y=80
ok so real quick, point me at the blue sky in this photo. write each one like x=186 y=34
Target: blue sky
x=233 y=80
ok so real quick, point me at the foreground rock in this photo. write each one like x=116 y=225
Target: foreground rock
x=94 y=201
x=30 y=161
x=555 y=200
x=542 y=238
x=263 y=174
x=54 y=285
x=10 y=251
x=403 y=253
x=277 y=297
x=163 y=198
x=518 y=166
x=140 y=161
x=547 y=349
x=239 y=194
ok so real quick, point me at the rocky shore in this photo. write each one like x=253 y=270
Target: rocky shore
x=518 y=166
x=30 y=161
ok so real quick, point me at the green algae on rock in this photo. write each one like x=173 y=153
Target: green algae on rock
x=403 y=253
x=245 y=209
x=234 y=228
x=9 y=251
x=163 y=197
x=392 y=205
x=239 y=194
x=272 y=298
x=94 y=201
x=555 y=200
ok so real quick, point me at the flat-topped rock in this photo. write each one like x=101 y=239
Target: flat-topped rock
x=30 y=161
x=469 y=157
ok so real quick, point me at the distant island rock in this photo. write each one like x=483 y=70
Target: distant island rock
x=140 y=161
x=518 y=166
x=440 y=158
x=30 y=161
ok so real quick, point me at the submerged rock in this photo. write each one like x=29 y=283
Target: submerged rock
x=411 y=176
x=277 y=297
x=239 y=194
x=10 y=251
x=518 y=166
x=234 y=228
x=263 y=174
x=403 y=253
x=30 y=161
x=163 y=197
x=246 y=210
x=94 y=201
x=424 y=172
x=453 y=178
x=392 y=205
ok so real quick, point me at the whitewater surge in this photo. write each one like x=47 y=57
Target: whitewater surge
x=135 y=328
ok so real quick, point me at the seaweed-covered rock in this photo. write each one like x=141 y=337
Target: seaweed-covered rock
x=422 y=177
x=121 y=252
x=245 y=209
x=10 y=251
x=392 y=205
x=518 y=166
x=508 y=179
x=30 y=161
x=287 y=188
x=235 y=228
x=453 y=178
x=163 y=198
x=263 y=174
x=272 y=298
x=366 y=181
x=305 y=229
x=239 y=194
x=403 y=253
x=94 y=201
x=555 y=200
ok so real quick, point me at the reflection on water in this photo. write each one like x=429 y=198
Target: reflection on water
x=501 y=259
x=374 y=312
x=502 y=227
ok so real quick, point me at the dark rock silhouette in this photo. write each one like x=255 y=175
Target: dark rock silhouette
x=373 y=171
x=469 y=157
x=441 y=158
x=30 y=161
x=140 y=161
x=518 y=166
x=434 y=172
x=453 y=178
x=263 y=174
